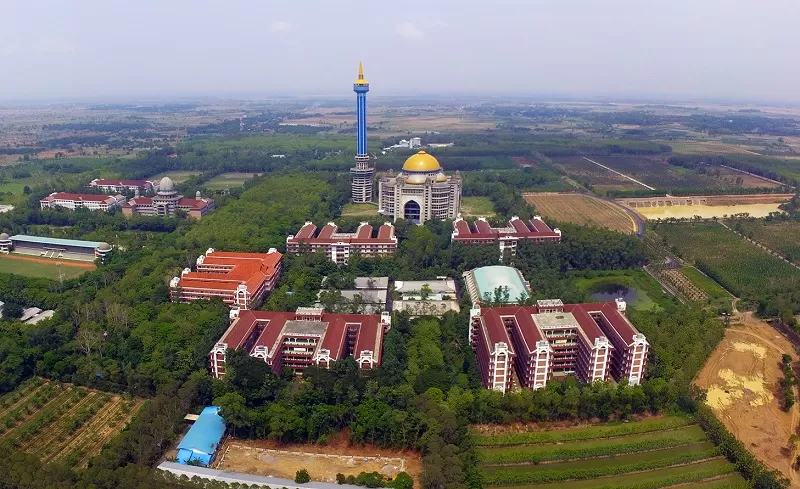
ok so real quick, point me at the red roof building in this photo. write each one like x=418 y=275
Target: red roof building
x=166 y=202
x=117 y=186
x=338 y=246
x=480 y=232
x=95 y=202
x=299 y=339
x=592 y=341
x=240 y=279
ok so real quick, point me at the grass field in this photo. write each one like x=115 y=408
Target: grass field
x=705 y=283
x=652 y=453
x=30 y=268
x=62 y=423
x=637 y=288
x=359 y=210
x=227 y=181
x=738 y=265
x=176 y=176
x=582 y=209
x=783 y=237
x=477 y=207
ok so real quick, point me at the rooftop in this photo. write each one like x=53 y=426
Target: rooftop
x=231 y=270
x=55 y=241
x=203 y=437
x=487 y=279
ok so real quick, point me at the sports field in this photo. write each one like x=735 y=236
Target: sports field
x=42 y=267
x=581 y=209
x=654 y=452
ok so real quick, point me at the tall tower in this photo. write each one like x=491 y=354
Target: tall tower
x=362 y=174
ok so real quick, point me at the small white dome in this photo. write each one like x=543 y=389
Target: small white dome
x=166 y=185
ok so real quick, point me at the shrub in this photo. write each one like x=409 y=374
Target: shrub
x=301 y=476
x=402 y=481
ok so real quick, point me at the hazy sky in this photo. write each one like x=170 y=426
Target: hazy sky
x=677 y=48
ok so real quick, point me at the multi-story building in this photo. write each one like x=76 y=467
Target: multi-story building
x=119 y=186
x=507 y=238
x=529 y=345
x=240 y=279
x=338 y=246
x=166 y=202
x=93 y=202
x=420 y=192
x=299 y=339
x=364 y=171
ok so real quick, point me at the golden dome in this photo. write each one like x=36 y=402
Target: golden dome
x=421 y=161
x=441 y=177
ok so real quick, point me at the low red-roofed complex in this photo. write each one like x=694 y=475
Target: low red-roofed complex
x=95 y=202
x=240 y=279
x=480 y=232
x=117 y=186
x=166 y=202
x=338 y=246
x=303 y=338
x=592 y=341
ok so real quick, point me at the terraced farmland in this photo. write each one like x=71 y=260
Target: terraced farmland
x=60 y=422
x=653 y=453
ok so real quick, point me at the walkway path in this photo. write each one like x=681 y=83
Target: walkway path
x=620 y=174
x=231 y=477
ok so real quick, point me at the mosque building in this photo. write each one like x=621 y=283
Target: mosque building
x=166 y=201
x=420 y=192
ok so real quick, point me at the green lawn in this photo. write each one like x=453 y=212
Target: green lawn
x=35 y=269
x=176 y=176
x=477 y=207
x=359 y=210
x=227 y=181
x=713 y=289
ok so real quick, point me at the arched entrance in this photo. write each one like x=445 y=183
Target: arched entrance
x=411 y=211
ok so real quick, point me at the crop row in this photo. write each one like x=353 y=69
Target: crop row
x=48 y=415
x=606 y=430
x=590 y=469
x=42 y=397
x=658 y=478
x=593 y=448
x=11 y=398
x=90 y=436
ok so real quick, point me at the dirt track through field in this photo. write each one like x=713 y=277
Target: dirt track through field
x=742 y=381
x=48 y=261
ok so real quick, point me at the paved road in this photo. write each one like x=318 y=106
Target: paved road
x=231 y=477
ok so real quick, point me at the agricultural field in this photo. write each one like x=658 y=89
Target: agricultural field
x=31 y=266
x=739 y=266
x=598 y=177
x=705 y=283
x=477 y=207
x=359 y=210
x=582 y=209
x=62 y=423
x=227 y=181
x=654 y=452
x=783 y=237
x=741 y=378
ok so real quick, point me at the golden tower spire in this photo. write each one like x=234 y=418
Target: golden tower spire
x=361 y=80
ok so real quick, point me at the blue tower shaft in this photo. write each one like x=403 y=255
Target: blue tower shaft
x=361 y=125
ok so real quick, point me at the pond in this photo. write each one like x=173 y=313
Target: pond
x=609 y=291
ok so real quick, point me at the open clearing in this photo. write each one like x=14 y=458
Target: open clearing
x=706 y=211
x=477 y=207
x=581 y=209
x=741 y=378
x=265 y=457
x=62 y=423
x=652 y=452
x=42 y=267
x=176 y=176
x=227 y=181
x=359 y=210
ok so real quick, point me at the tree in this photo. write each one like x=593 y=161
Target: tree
x=425 y=291
x=301 y=476
x=402 y=481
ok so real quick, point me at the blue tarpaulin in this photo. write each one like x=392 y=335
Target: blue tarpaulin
x=202 y=440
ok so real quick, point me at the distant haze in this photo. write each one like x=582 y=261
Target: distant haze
x=700 y=49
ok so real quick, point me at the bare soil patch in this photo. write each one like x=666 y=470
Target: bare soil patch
x=268 y=458
x=742 y=380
